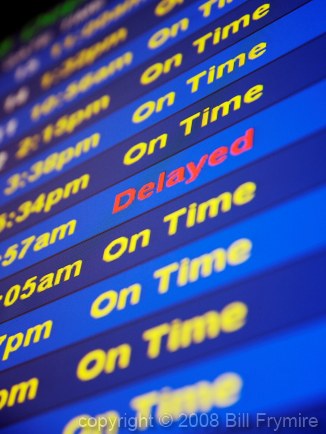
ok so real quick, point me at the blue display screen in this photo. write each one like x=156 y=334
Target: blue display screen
x=162 y=218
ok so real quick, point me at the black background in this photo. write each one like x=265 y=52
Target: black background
x=15 y=14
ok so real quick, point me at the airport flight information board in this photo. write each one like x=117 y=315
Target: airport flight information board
x=162 y=218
